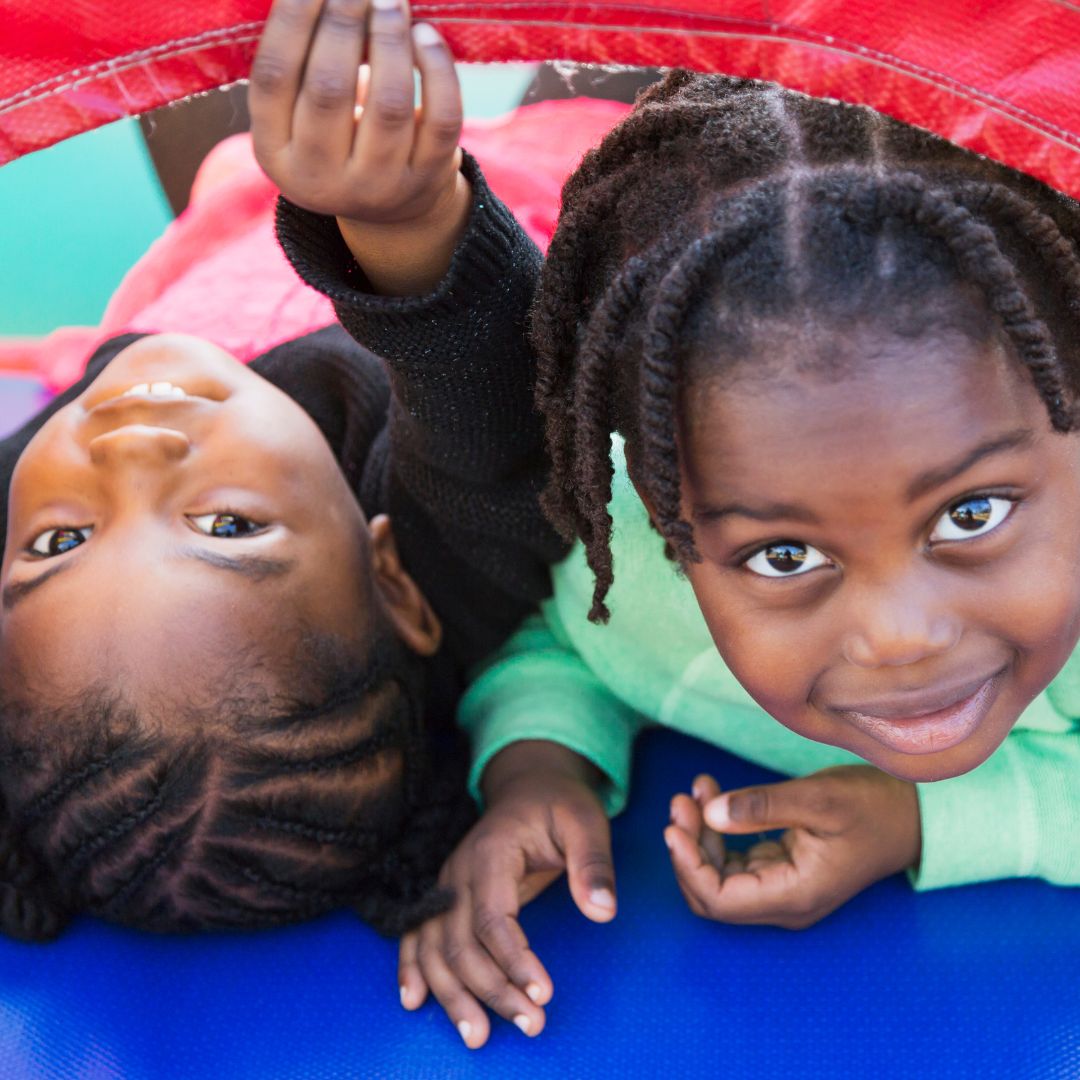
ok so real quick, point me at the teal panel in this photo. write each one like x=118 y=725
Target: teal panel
x=73 y=219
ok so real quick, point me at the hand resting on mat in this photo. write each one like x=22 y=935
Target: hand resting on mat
x=543 y=817
x=845 y=828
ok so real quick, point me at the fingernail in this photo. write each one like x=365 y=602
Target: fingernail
x=386 y=5
x=425 y=34
x=534 y=993
x=696 y=790
x=717 y=814
x=404 y=995
x=668 y=840
x=602 y=898
x=522 y=1023
x=464 y=1030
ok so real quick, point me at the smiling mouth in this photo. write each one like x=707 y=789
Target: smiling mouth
x=927 y=730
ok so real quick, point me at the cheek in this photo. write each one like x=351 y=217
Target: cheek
x=1038 y=612
x=773 y=656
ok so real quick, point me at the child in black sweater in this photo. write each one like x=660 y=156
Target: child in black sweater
x=225 y=675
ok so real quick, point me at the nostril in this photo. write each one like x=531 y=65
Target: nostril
x=140 y=444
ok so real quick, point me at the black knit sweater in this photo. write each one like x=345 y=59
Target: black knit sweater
x=442 y=435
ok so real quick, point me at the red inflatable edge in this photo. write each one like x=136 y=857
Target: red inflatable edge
x=794 y=55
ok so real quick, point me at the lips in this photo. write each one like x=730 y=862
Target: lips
x=112 y=394
x=928 y=721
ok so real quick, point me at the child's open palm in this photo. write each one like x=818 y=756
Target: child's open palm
x=845 y=828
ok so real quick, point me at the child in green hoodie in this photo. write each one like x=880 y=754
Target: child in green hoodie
x=840 y=360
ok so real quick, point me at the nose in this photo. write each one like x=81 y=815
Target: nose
x=139 y=446
x=898 y=625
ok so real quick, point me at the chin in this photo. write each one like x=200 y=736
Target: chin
x=927 y=768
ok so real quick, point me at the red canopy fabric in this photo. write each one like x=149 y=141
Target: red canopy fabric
x=999 y=76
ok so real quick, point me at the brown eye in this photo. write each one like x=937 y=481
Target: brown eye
x=972 y=517
x=787 y=558
x=225 y=526
x=54 y=542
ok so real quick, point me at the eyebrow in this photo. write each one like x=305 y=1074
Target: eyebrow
x=763 y=512
x=253 y=567
x=924 y=483
x=927 y=481
x=19 y=590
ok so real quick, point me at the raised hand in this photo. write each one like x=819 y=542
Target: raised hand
x=845 y=828
x=388 y=172
x=543 y=818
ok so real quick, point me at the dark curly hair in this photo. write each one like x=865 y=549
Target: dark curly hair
x=723 y=208
x=269 y=810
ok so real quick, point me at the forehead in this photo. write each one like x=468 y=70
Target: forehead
x=175 y=623
x=909 y=406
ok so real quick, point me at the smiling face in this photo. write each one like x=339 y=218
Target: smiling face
x=888 y=547
x=180 y=513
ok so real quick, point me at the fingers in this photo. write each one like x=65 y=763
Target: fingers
x=705 y=789
x=441 y=111
x=806 y=803
x=585 y=838
x=464 y=1011
x=496 y=904
x=698 y=879
x=463 y=978
x=386 y=128
x=325 y=108
x=276 y=72
x=411 y=982
x=774 y=893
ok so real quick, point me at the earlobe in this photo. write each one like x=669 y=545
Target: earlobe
x=412 y=617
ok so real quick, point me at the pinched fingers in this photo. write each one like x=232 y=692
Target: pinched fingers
x=771 y=892
x=810 y=802
x=698 y=878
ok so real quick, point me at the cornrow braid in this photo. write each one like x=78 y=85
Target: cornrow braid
x=721 y=207
x=267 y=810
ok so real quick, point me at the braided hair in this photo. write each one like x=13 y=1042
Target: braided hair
x=723 y=207
x=280 y=806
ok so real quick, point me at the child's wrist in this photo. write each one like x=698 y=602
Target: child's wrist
x=410 y=257
x=532 y=760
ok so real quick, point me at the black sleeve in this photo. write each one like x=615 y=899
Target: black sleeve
x=467 y=461
x=12 y=447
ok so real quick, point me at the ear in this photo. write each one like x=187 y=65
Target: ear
x=407 y=607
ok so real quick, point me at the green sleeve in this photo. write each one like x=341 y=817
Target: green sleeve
x=538 y=687
x=1016 y=815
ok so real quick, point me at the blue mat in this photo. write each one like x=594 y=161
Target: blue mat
x=976 y=982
